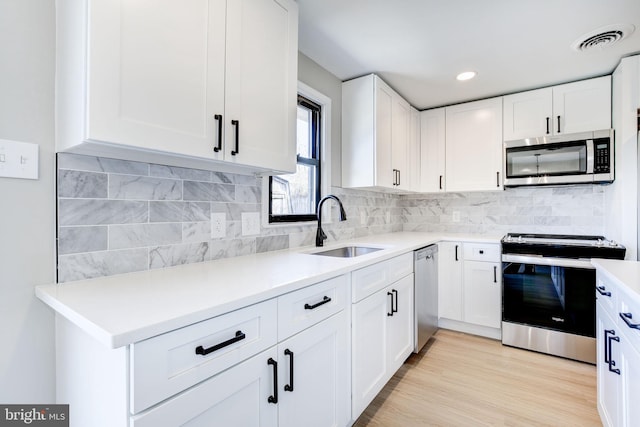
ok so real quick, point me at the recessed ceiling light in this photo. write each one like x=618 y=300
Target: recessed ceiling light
x=467 y=75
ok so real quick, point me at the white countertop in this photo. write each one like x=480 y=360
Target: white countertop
x=626 y=274
x=123 y=309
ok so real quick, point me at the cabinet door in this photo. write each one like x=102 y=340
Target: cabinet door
x=400 y=120
x=318 y=371
x=630 y=369
x=582 y=106
x=432 y=150
x=450 y=280
x=156 y=75
x=528 y=114
x=236 y=397
x=400 y=325
x=413 y=152
x=383 y=135
x=482 y=293
x=474 y=146
x=261 y=83
x=369 y=349
x=608 y=382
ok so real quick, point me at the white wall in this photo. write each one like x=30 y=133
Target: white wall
x=621 y=197
x=27 y=38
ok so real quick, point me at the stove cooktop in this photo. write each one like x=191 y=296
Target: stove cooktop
x=562 y=246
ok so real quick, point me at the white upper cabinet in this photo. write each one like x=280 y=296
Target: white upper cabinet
x=413 y=151
x=375 y=135
x=573 y=107
x=432 y=150
x=474 y=146
x=198 y=79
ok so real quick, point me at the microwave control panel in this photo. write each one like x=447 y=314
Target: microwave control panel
x=602 y=155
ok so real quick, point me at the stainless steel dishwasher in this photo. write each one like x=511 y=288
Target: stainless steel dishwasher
x=425 y=268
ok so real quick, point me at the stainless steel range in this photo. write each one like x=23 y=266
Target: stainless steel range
x=548 y=297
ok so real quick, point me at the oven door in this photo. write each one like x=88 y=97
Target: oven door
x=550 y=293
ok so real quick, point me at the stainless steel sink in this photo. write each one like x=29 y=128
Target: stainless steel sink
x=347 y=251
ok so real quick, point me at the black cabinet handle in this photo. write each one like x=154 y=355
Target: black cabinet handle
x=390 y=314
x=497 y=179
x=236 y=123
x=606 y=344
x=495 y=274
x=456 y=252
x=394 y=310
x=218 y=117
x=601 y=290
x=547 y=125
x=274 y=397
x=204 y=351
x=627 y=319
x=289 y=387
x=325 y=300
x=612 y=362
x=441 y=182
x=558 y=124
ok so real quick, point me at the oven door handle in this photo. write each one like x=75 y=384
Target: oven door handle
x=557 y=262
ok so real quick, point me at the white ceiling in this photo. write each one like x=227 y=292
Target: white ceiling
x=419 y=46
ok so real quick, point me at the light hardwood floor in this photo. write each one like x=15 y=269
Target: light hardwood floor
x=464 y=380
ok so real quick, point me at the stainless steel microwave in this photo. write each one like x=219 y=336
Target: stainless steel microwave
x=585 y=157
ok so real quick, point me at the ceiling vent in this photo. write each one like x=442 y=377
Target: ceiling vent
x=602 y=37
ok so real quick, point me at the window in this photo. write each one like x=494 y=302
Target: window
x=295 y=197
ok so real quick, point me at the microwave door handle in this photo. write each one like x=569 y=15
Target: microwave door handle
x=590 y=156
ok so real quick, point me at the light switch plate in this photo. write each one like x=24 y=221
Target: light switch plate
x=250 y=223
x=18 y=159
x=218 y=225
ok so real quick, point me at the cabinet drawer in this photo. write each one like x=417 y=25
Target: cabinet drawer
x=630 y=309
x=167 y=364
x=370 y=279
x=482 y=252
x=304 y=308
x=607 y=294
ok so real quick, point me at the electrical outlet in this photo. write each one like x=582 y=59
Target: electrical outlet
x=250 y=223
x=456 y=216
x=218 y=225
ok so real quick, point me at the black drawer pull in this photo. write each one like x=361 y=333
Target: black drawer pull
x=456 y=252
x=612 y=362
x=627 y=319
x=495 y=274
x=274 y=397
x=441 y=182
x=601 y=290
x=289 y=387
x=325 y=300
x=204 y=351
x=558 y=124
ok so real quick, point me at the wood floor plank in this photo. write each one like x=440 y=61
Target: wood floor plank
x=464 y=380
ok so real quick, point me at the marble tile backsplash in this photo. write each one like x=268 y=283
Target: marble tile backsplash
x=552 y=210
x=119 y=216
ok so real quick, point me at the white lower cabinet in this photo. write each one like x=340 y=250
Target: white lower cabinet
x=382 y=336
x=482 y=293
x=470 y=287
x=618 y=358
x=313 y=369
x=236 y=397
